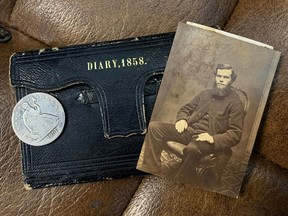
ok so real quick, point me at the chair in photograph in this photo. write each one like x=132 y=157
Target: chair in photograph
x=211 y=167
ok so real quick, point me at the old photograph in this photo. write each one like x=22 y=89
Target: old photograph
x=208 y=109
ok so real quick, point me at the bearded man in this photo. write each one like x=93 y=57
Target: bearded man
x=211 y=122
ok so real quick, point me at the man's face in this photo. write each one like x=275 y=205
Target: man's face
x=223 y=78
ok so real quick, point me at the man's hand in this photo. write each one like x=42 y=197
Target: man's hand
x=205 y=137
x=181 y=125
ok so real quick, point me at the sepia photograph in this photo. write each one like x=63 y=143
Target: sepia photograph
x=208 y=109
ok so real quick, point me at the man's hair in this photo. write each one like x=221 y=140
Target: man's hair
x=228 y=67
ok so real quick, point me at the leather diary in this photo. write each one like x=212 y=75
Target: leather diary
x=107 y=91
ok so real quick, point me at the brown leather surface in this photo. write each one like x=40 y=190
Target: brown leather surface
x=266 y=21
x=6 y=8
x=264 y=193
x=98 y=198
x=60 y=23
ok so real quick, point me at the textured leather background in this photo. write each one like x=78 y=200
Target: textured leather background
x=6 y=8
x=266 y=21
x=59 y=23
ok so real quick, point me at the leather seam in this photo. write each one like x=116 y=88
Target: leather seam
x=17 y=30
x=266 y=159
x=134 y=193
x=232 y=12
x=12 y=11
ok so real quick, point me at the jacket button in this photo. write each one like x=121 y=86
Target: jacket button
x=5 y=35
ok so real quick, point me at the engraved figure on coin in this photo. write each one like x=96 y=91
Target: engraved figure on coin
x=38 y=123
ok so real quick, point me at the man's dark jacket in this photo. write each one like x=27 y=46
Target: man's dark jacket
x=226 y=116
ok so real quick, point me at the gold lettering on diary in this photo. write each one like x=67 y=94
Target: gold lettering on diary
x=100 y=66
x=116 y=63
x=107 y=64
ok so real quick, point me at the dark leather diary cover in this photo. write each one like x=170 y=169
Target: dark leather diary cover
x=107 y=91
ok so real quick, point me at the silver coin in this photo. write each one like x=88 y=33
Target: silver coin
x=38 y=119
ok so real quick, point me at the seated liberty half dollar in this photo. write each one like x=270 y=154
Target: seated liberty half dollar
x=38 y=119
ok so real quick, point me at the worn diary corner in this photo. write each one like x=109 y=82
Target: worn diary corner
x=27 y=187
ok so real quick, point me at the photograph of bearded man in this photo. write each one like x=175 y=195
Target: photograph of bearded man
x=211 y=122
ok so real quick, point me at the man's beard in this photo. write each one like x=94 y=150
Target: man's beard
x=220 y=92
